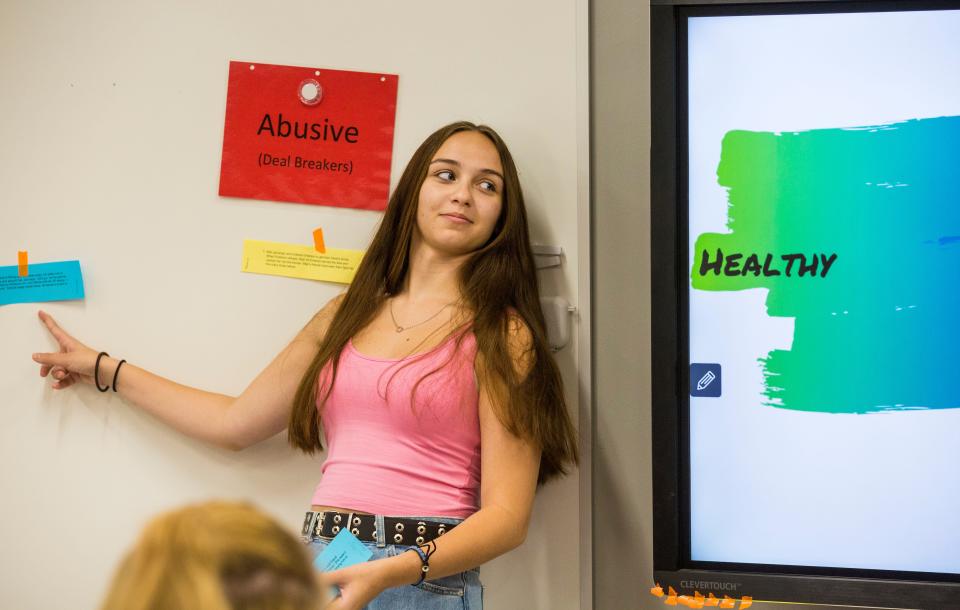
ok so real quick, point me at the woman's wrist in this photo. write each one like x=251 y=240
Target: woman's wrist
x=107 y=375
x=403 y=569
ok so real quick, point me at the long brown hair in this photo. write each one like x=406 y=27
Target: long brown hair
x=216 y=556
x=499 y=286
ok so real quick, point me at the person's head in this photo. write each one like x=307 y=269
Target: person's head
x=460 y=168
x=215 y=556
x=460 y=196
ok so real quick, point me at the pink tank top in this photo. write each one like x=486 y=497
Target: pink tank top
x=389 y=457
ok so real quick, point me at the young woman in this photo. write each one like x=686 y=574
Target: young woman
x=215 y=556
x=430 y=377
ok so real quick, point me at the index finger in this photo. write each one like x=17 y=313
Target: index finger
x=58 y=333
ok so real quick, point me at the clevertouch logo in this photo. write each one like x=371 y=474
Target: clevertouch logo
x=710 y=585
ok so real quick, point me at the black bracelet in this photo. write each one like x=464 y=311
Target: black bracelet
x=424 y=560
x=115 y=373
x=96 y=372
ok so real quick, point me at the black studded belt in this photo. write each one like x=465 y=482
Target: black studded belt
x=397 y=530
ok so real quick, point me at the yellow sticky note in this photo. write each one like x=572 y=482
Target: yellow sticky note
x=299 y=261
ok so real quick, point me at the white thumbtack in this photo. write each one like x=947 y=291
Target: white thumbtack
x=310 y=92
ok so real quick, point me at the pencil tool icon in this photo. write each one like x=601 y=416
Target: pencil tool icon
x=705 y=379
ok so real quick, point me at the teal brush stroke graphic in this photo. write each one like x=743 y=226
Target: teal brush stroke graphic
x=879 y=330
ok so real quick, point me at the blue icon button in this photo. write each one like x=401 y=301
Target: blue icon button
x=705 y=379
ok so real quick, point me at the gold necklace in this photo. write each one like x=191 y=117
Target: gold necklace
x=400 y=329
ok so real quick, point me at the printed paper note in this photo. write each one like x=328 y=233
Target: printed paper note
x=333 y=149
x=60 y=281
x=343 y=551
x=299 y=261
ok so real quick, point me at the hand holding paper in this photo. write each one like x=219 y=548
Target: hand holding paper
x=343 y=551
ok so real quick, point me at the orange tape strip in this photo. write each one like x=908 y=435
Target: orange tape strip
x=690 y=602
x=697 y=600
x=318 y=241
x=22 y=270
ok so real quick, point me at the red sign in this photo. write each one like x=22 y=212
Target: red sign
x=308 y=135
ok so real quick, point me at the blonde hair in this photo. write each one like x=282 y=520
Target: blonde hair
x=215 y=556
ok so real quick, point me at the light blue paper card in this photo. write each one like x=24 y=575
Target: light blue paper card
x=61 y=281
x=343 y=551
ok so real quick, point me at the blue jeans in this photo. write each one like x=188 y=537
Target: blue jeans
x=461 y=591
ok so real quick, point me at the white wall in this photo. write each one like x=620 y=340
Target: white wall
x=111 y=124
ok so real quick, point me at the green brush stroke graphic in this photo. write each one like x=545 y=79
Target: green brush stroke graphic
x=879 y=330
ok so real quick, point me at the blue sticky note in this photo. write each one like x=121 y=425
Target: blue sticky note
x=61 y=281
x=343 y=551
